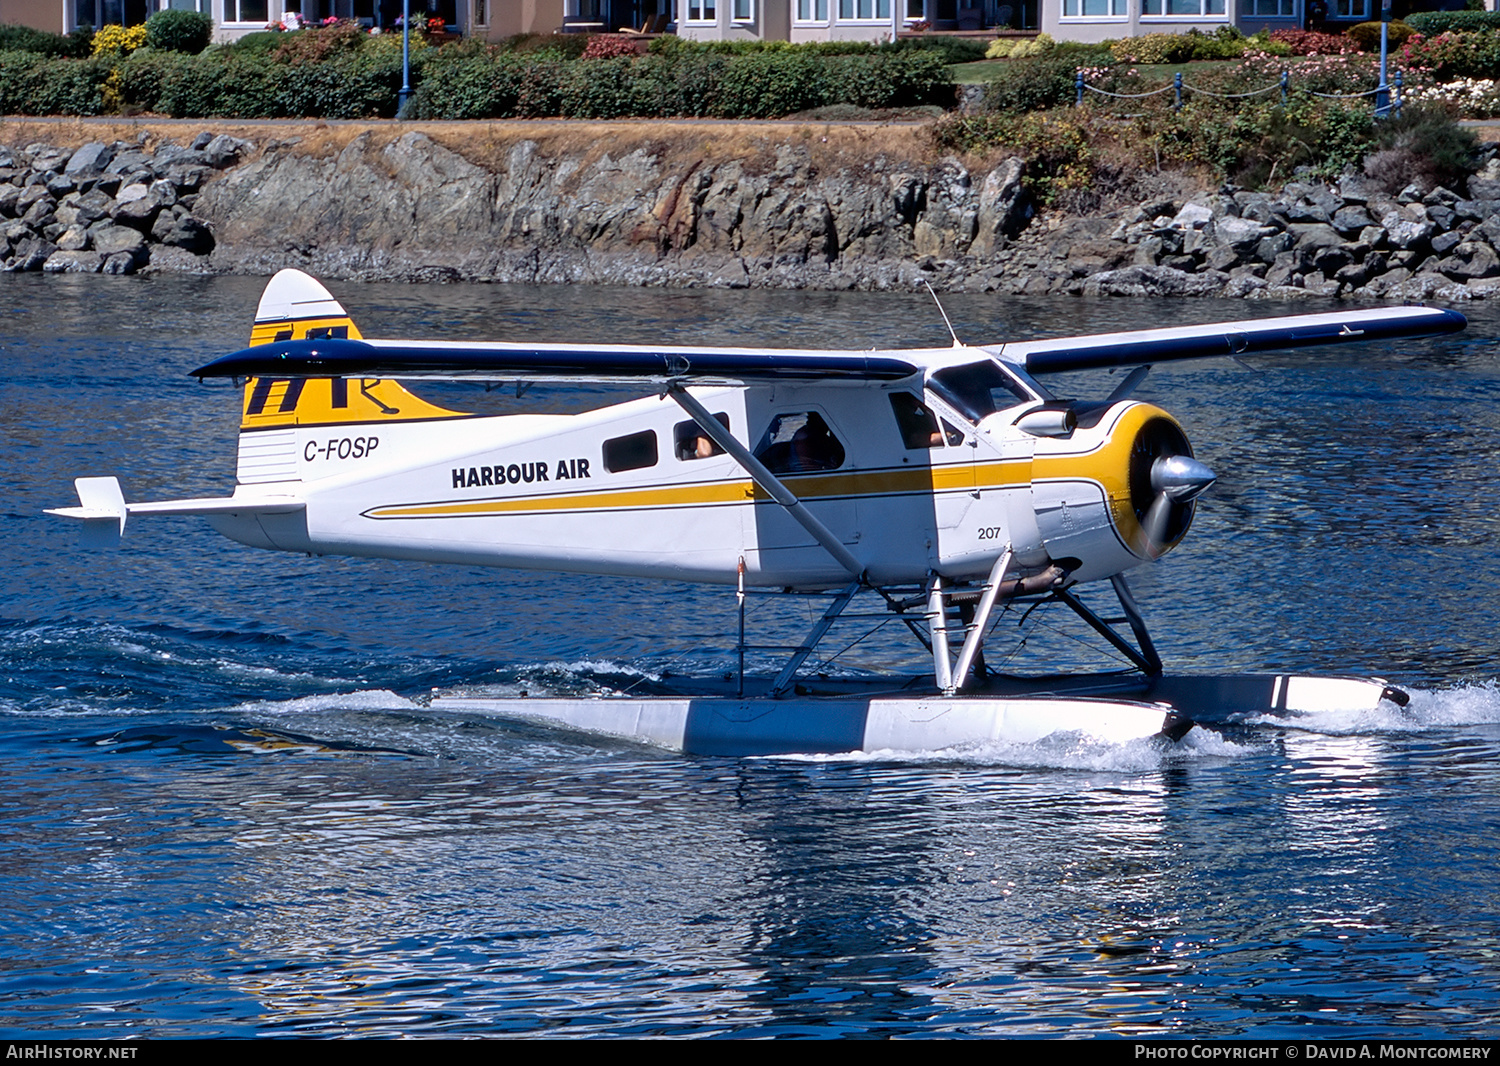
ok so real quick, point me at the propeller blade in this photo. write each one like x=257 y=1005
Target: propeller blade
x=1156 y=523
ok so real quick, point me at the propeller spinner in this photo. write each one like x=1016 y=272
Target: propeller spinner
x=1165 y=480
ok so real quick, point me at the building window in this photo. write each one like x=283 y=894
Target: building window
x=1269 y=8
x=702 y=11
x=855 y=10
x=744 y=10
x=812 y=10
x=1093 y=9
x=97 y=13
x=245 y=11
x=1351 y=9
x=1184 y=8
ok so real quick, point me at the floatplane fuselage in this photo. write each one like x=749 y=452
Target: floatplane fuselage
x=943 y=479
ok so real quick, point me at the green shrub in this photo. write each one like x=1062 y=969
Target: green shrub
x=1059 y=152
x=142 y=76
x=69 y=87
x=179 y=31
x=1432 y=23
x=1422 y=144
x=262 y=42
x=317 y=45
x=693 y=82
x=31 y=84
x=1032 y=85
x=25 y=39
x=360 y=84
x=567 y=45
x=15 y=80
x=954 y=50
x=1367 y=35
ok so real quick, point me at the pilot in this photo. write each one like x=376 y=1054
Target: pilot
x=810 y=447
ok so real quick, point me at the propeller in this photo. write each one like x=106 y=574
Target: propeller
x=1165 y=480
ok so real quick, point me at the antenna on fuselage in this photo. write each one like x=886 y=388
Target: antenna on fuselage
x=956 y=342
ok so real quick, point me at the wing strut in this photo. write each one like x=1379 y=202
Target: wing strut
x=716 y=432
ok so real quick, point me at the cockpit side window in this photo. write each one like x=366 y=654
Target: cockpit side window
x=918 y=424
x=635 y=451
x=690 y=442
x=798 y=442
x=978 y=390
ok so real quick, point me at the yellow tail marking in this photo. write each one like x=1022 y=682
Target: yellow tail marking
x=279 y=402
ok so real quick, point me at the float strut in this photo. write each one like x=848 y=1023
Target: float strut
x=1146 y=659
x=1137 y=623
x=821 y=627
x=937 y=625
x=981 y=621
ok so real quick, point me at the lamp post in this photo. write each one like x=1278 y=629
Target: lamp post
x=405 y=94
x=1383 y=92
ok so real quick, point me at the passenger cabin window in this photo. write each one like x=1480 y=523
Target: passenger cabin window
x=919 y=426
x=978 y=390
x=633 y=452
x=794 y=443
x=690 y=442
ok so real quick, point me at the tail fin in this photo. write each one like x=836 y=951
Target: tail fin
x=296 y=306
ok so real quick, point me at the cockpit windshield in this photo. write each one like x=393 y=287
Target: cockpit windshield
x=978 y=390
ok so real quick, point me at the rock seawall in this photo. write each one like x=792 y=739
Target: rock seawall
x=772 y=206
x=642 y=215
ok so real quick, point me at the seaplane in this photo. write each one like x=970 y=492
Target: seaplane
x=935 y=484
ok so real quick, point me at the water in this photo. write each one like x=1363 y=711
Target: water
x=227 y=810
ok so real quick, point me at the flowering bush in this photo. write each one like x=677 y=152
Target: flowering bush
x=608 y=46
x=1311 y=43
x=1470 y=97
x=1454 y=55
x=118 y=41
x=1154 y=48
x=1020 y=47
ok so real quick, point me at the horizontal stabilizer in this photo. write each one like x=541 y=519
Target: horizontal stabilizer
x=1059 y=354
x=560 y=362
x=103 y=509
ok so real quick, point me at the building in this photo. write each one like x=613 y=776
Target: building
x=782 y=20
x=235 y=18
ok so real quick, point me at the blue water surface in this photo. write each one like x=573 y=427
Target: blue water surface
x=227 y=810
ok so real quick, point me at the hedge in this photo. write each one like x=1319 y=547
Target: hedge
x=1432 y=23
x=693 y=82
x=361 y=78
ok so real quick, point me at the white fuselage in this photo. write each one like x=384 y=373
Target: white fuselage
x=623 y=491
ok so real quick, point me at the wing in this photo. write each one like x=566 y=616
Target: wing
x=301 y=331
x=334 y=357
x=1226 y=338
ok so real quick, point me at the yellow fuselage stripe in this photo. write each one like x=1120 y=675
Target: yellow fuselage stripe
x=922 y=480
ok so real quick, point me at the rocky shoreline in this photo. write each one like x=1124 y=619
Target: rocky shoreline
x=806 y=207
